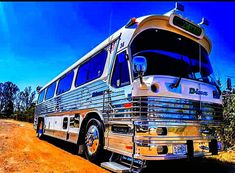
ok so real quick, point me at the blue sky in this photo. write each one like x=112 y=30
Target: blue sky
x=38 y=40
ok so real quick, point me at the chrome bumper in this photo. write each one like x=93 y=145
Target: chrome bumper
x=169 y=156
x=141 y=139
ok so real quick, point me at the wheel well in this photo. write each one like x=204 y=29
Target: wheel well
x=81 y=137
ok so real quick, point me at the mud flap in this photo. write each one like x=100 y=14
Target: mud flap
x=81 y=149
x=213 y=148
x=190 y=149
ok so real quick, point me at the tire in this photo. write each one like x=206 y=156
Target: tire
x=40 y=130
x=94 y=141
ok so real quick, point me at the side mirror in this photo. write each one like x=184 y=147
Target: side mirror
x=139 y=65
x=229 y=84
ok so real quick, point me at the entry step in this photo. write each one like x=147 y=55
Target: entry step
x=115 y=167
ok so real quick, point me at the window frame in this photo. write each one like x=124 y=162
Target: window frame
x=59 y=80
x=55 y=82
x=89 y=61
x=43 y=98
x=204 y=51
x=128 y=65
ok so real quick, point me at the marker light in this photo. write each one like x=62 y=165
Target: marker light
x=179 y=6
x=204 y=22
x=129 y=147
x=127 y=105
x=131 y=22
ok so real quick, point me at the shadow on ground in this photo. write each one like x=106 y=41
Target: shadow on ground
x=198 y=165
x=67 y=146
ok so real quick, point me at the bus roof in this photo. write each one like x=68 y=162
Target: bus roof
x=114 y=36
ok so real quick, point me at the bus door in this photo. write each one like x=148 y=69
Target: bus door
x=120 y=85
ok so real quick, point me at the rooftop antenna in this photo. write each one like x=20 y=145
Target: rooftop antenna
x=110 y=23
x=178 y=7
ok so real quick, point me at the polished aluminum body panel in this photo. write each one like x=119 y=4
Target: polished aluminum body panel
x=132 y=116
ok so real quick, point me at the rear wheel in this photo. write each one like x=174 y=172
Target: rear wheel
x=94 y=143
x=40 y=130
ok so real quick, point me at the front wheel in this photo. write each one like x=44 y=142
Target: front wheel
x=94 y=141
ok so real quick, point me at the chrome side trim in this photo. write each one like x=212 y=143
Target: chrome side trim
x=54 y=134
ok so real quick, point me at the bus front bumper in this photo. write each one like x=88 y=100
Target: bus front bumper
x=177 y=149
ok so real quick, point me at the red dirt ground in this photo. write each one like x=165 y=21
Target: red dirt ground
x=22 y=152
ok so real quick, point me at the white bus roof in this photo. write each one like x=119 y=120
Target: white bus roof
x=113 y=37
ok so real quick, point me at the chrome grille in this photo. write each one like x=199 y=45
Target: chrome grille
x=173 y=108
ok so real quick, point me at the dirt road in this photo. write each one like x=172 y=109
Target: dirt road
x=22 y=152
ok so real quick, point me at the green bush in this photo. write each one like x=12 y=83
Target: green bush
x=27 y=115
x=227 y=131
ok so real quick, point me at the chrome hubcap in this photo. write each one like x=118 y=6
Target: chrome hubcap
x=92 y=139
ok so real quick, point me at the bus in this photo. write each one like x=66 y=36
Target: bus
x=146 y=93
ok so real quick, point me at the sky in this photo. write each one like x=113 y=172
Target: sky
x=39 y=40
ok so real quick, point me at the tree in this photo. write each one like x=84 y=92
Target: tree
x=9 y=107
x=18 y=101
x=8 y=95
x=25 y=99
x=25 y=105
x=29 y=97
x=1 y=97
x=21 y=103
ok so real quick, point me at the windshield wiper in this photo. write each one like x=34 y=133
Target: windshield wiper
x=176 y=84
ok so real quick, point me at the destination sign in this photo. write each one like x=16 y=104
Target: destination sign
x=186 y=26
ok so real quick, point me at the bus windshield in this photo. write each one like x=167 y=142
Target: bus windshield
x=168 y=53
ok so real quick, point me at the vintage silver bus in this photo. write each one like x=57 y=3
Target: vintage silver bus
x=145 y=93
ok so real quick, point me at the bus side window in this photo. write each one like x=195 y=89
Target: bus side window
x=50 y=91
x=120 y=76
x=41 y=96
x=92 y=69
x=65 y=83
x=97 y=65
